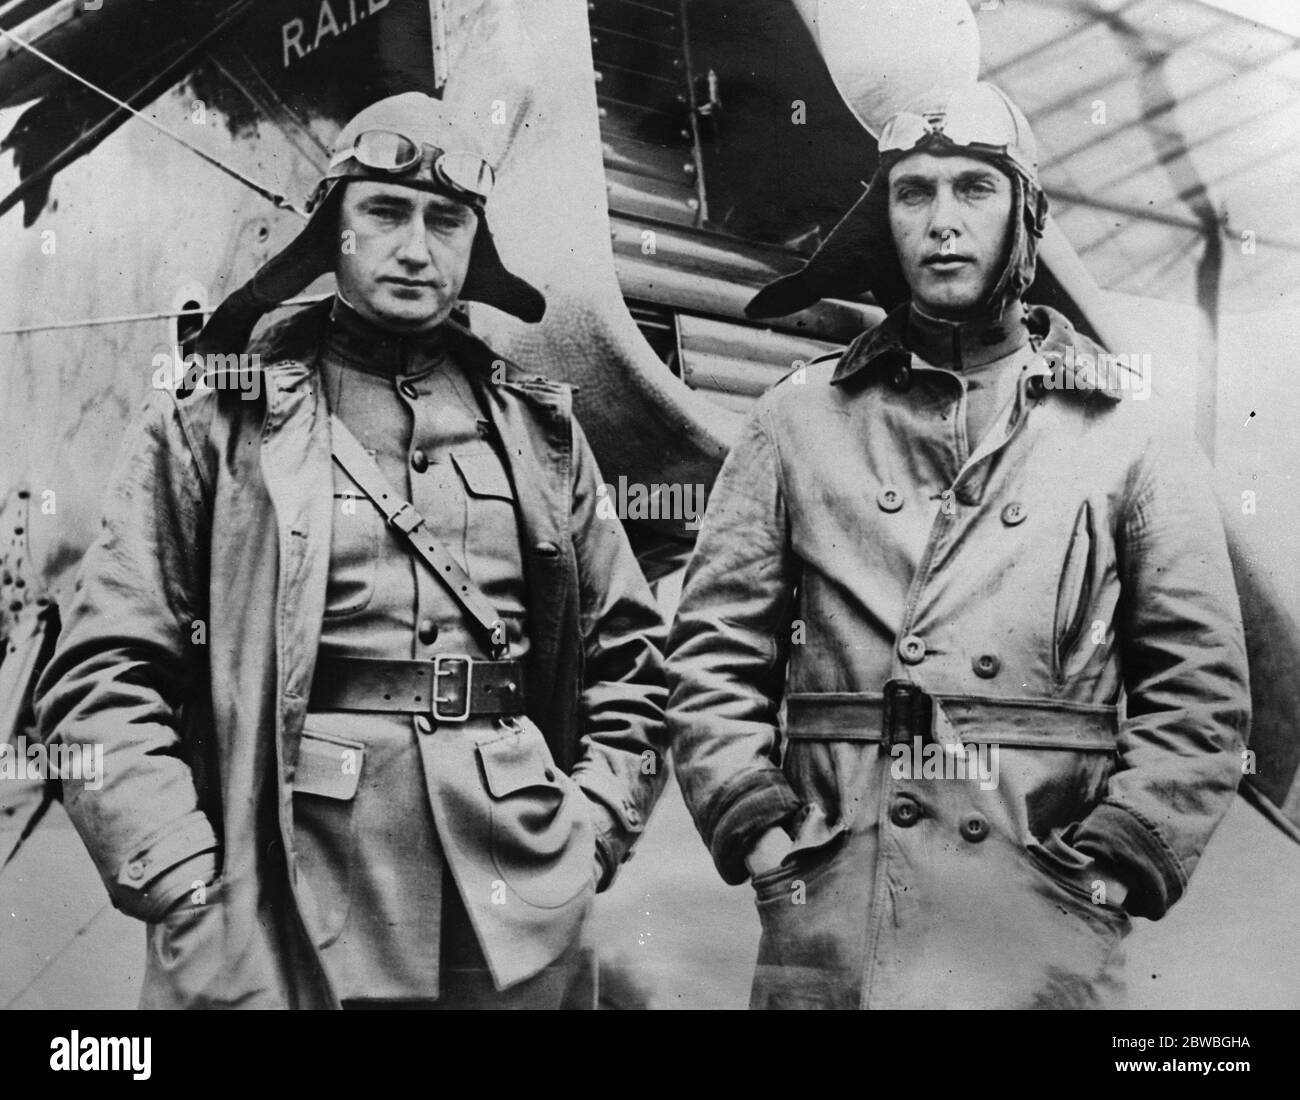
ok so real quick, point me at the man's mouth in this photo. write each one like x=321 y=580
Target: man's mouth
x=397 y=280
x=947 y=261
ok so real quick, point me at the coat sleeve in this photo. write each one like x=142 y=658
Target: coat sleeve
x=1186 y=681
x=727 y=654
x=622 y=766
x=124 y=664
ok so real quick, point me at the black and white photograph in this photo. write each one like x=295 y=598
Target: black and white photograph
x=651 y=504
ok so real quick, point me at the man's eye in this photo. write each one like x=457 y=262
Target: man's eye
x=911 y=195
x=386 y=213
x=979 y=189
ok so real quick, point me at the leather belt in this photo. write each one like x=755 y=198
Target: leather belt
x=904 y=711
x=452 y=687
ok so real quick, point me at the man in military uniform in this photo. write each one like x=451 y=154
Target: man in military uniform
x=424 y=726
x=946 y=552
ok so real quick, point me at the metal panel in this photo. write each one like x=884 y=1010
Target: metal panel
x=734 y=363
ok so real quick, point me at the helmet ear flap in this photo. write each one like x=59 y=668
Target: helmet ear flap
x=492 y=284
x=1036 y=210
x=308 y=256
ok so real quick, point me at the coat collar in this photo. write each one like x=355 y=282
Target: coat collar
x=1066 y=360
x=289 y=349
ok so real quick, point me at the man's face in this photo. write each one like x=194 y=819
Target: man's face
x=404 y=254
x=960 y=199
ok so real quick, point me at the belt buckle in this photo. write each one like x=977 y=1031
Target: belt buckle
x=908 y=711
x=439 y=671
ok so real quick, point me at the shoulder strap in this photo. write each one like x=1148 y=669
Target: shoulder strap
x=401 y=513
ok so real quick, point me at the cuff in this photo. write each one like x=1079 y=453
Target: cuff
x=611 y=852
x=1152 y=874
x=163 y=868
x=181 y=882
x=760 y=801
x=617 y=817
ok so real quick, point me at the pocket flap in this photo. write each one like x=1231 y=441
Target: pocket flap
x=328 y=766
x=513 y=763
x=484 y=473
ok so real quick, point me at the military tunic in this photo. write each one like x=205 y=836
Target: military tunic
x=371 y=857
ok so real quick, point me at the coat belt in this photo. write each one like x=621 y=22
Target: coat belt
x=904 y=711
x=450 y=687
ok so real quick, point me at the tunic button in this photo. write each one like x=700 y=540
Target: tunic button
x=407 y=390
x=550 y=775
x=1014 y=513
x=902 y=378
x=422 y=724
x=135 y=870
x=427 y=632
x=904 y=813
x=912 y=649
x=974 y=828
x=889 y=499
x=419 y=461
x=986 y=665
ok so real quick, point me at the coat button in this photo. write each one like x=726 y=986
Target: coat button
x=904 y=813
x=135 y=869
x=422 y=724
x=1036 y=387
x=1014 y=513
x=986 y=665
x=889 y=499
x=974 y=827
x=901 y=378
x=419 y=461
x=408 y=390
x=550 y=775
x=912 y=649
x=427 y=632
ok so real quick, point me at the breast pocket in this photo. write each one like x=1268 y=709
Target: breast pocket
x=484 y=475
x=491 y=525
x=356 y=541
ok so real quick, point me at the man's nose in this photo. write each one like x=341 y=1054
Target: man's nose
x=945 y=218
x=414 y=248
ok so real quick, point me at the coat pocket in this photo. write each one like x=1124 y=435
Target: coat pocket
x=543 y=842
x=1074 y=590
x=325 y=788
x=1068 y=869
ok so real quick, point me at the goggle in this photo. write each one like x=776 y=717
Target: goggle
x=963 y=124
x=387 y=151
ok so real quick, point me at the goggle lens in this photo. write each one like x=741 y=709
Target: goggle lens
x=468 y=172
x=964 y=123
x=385 y=151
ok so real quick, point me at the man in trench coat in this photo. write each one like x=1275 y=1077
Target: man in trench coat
x=330 y=776
x=957 y=678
